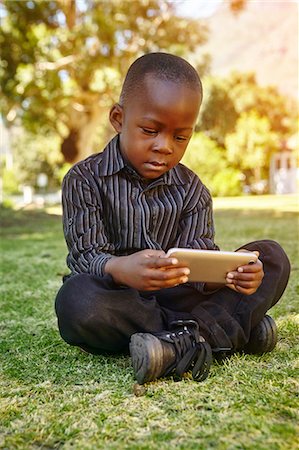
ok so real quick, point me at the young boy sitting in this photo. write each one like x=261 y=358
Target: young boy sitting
x=124 y=208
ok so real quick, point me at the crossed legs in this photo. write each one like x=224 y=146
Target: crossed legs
x=97 y=315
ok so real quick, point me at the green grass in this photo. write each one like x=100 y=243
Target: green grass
x=52 y=396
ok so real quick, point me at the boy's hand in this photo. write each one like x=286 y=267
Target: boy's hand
x=247 y=278
x=147 y=270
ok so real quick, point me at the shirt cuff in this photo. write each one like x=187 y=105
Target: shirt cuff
x=97 y=265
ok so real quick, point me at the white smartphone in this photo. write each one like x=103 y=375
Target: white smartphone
x=211 y=265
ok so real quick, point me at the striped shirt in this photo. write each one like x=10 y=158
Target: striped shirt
x=108 y=209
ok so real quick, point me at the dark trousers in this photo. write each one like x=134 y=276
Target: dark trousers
x=99 y=316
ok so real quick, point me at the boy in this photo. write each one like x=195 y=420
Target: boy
x=124 y=208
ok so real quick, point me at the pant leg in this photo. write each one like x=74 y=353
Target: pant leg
x=229 y=314
x=98 y=315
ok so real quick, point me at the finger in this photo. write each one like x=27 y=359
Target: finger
x=159 y=262
x=244 y=250
x=248 y=268
x=153 y=279
x=251 y=268
x=163 y=284
x=245 y=284
x=169 y=274
x=175 y=282
x=245 y=276
x=240 y=289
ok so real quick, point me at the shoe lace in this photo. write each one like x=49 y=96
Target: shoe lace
x=192 y=351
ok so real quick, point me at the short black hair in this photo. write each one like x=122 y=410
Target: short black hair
x=163 y=66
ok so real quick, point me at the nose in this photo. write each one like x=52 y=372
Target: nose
x=163 y=144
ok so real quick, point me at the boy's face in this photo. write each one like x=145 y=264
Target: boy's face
x=156 y=124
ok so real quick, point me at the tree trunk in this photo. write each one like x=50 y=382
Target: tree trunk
x=83 y=126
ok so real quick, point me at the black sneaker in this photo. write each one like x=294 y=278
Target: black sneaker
x=263 y=337
x=179 y=350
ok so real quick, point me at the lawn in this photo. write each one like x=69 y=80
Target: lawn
x=52 y=396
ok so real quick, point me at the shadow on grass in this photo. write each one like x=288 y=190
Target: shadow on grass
x=17 y=222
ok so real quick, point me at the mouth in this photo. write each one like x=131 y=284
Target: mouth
x=156 y=164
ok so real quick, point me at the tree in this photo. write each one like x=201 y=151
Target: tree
x=226 y=99
x=218 y=114
x=36 y=154
x=63 y=61
x=237 y=6
x=248 y=123
x=208 y=160
x=250 y=147
x=248 y=95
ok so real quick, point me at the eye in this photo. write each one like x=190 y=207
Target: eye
x=181 y=138
x=149 y=131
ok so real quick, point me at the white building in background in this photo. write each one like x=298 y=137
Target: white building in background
x=283 y=177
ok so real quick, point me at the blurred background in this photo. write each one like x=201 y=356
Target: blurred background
x=63 y=62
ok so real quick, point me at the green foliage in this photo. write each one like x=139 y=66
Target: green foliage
x=249 y=122
x=247 y=95
x=62 y=62
x=227 y=182
x=34 y=154
x=226 y=99
x=63 y=171
x=209 y=162
x=218 y=114
x=252 y=144
x=10 y=183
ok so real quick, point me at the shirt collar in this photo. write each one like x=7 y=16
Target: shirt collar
x=113 y=162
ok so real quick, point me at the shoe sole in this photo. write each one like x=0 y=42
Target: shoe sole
x=267 y=337
x=147 y=357
x=270 y=329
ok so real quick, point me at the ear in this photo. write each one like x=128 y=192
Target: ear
x=116 y=117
